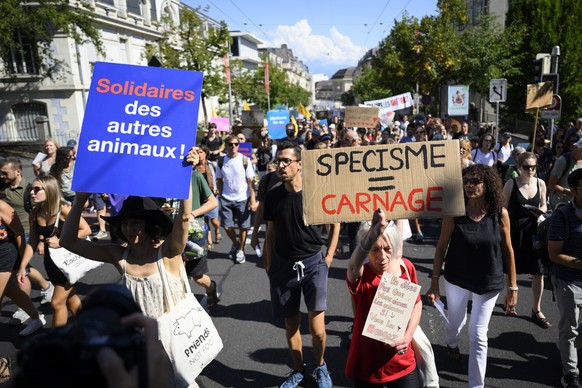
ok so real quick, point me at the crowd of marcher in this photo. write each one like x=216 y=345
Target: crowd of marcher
x=478 y=254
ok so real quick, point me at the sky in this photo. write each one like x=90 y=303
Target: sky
x=325 y=35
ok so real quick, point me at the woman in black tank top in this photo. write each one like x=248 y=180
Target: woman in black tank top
x=46 y=198
x=527 y=190
x=475 y=248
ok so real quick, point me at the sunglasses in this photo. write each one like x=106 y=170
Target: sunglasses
x=36 y=189
x=419 y=133
x=232 y=144
x=529 y=167
x=472 y=181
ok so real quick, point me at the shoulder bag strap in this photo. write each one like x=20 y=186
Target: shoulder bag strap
x=57 y=222
x=123 y=261
x=165 y=284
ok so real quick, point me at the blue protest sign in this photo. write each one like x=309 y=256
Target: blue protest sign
x=246 y=149
x=323 y=122
x=277 y=119
x=139 y=124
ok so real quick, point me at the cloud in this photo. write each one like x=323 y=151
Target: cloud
x=313 y=49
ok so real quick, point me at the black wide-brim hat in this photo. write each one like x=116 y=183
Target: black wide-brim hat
x=142 y=208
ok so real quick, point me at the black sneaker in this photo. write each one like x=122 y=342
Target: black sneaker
x=571 y=380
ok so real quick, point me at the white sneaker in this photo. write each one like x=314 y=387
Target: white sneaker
x=47 y=295
x=18 y=318
x=100 y=235
x=240 y=257
x=33 y=326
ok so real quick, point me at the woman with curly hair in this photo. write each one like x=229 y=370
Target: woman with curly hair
x=475 y=248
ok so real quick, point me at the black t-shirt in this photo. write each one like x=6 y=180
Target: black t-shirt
x=294 y=240
x=212 y=145
x=266 y=184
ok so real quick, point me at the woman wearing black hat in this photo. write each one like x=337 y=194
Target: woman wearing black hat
x=153 y=242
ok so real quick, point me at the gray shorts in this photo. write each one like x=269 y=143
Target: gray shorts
x=288 y=279
x=235 y=214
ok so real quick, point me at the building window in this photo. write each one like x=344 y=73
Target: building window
x=134 y=7
x=23 y=59
x=25 y=114
x=234 y=47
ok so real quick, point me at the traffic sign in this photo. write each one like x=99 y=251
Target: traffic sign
x=498 y=90
x=554 y=111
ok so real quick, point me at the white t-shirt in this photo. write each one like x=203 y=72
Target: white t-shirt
x=503 y=153
x=488 y=159
x=235 y=185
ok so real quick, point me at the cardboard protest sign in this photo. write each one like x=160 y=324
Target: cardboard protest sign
x=139 y=124
x=361 y=116
x=252 y=118
x=391 y=309
x=411 y=180
x=539 y=95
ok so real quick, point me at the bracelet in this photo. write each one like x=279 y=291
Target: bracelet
x=436 y=276
x=513 y=288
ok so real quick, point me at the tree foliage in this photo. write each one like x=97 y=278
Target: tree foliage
x=549 y=23
x=443 y=49
x=36 y=23
x=192 y=45
x=250 y=86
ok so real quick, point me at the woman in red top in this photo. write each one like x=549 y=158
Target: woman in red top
x=372 y=363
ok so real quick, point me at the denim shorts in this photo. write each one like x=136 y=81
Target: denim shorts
x=235 y=214
x=288 y=279
x=97 y=201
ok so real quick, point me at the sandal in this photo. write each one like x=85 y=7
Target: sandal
x=511 y=312
x=538 y=320
x=453 y=353
x=218 y=238
x=4 y=369
x=211 y=296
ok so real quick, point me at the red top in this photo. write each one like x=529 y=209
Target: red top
x=371 y=360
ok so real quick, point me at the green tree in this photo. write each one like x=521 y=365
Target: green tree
x=487 y=51
x=193 y=45
x=250 y=86
x=549 y=23
x=422 y=51
x=27 y=30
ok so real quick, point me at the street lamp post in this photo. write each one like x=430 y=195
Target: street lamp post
x=554 y=69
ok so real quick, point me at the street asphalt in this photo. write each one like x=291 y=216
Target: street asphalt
x=255 y=354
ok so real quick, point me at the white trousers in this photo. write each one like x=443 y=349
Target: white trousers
x=482 y=308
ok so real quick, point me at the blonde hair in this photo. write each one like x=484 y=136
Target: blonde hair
x=467 y=144
x=52 y=192
x=391 y=233
x=52 y=140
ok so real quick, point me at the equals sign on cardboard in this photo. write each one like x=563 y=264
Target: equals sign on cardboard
x=381 y=179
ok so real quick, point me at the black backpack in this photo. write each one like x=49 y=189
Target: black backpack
x=540 y=239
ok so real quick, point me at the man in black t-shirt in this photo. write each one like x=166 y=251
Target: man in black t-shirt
x=294 y=263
